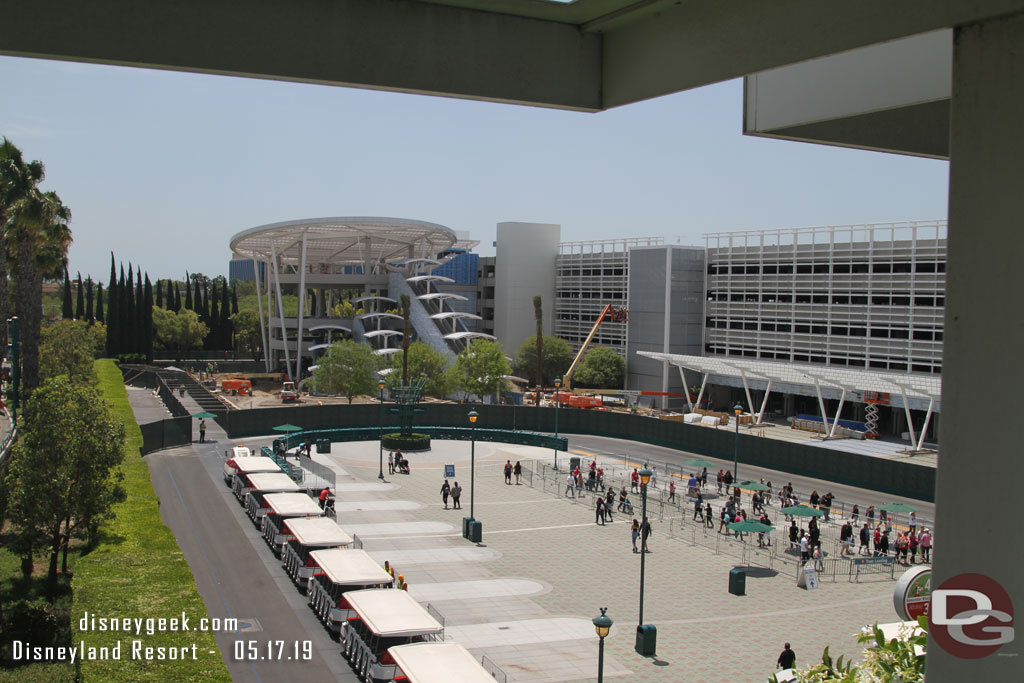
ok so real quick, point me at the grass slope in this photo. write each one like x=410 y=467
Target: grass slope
x=138 y=571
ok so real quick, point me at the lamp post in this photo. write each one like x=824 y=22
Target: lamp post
x=380 y=385
x=472 y=461
x=645 y=476
x=736 y=449
x=558 y=385
x=602 y=624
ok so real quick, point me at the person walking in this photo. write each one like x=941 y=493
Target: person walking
x=721 y=480
x=855 y=514
x=599 y=511
x=787 y=659
x=391 y=463
x=865 y=538
x=570 y=484
x=645 y=533
x=579 y=484
x=845 y=539
x=704 y=478
x=698 y=508
x=794 y=535
x=672 y=491
x=456 y=495
x=709 y=518
x=654 y=477
x=724 y=522
x=518 y=471
x=805 y=553
x=609 y=504
x=446 y=491
x=508 y=472
x=623 y=499
x=202 y=430
x=634 y=481
x=912 y=523
x=912 y=547
x=925 y=541
x=634 y=531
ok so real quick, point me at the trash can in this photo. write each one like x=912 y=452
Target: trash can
x=466 y=521
x=476 y=531
x=573 y=463
x=737 y=582
x=646 y=639
x=323 y=445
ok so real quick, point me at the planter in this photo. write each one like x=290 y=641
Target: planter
x=413 y=442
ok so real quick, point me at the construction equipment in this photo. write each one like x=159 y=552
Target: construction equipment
x=609 y=312
x=288 y=392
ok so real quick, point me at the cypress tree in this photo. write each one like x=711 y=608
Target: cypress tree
x=147 y=329
x=99 y=304
x=80 y=301
x=213 y=339
x=188 y=292
x=159 y=292
x=202 y=301
x=234 y=301
x=225 y=316
x=112 y=338
x=125 y=311
x=88 y=300
x=140 y=314
x=177 y=296
x=66 y=311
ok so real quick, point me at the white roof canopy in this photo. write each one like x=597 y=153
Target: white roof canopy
x=380 y=315
x=391 y=612
x=350 y=567
x=468 y=335
x=381 y=333
x=319 y=531
x=430 y=278
x=447 y=315
x=386 y=352
x=329 y=326
x=255 y=464
x=433 y=662
x=442 y=295
x=292 y=504
x=276 y=482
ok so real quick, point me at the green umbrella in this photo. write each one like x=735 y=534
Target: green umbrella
x=697 y=462
x=287 y=428
x=204 y=414
x=751 y=525
x=803 y=511
x=898 y=507
x=752 y=486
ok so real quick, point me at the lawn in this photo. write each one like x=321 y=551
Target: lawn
x=138 y=571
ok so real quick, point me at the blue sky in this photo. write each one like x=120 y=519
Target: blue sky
x=163 y=167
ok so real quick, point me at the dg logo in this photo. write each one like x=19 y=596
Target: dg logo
x=971 y=616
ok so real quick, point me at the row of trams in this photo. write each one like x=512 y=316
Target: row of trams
x=385 y=634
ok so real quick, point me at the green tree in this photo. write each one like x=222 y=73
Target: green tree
x=67 y=347
x=179 y=331
x=18 y=179
x=76 y=476
x=90 y=312
x=348 y=368
x=99 y=304
x=557 y=358
x=66 y=310
x=80 y=300
x=425 y=361
x=247 y=333
x=601 y=368
x=481 y=367
x=538 y=337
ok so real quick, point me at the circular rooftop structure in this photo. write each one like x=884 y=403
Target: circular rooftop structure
x=350 y=241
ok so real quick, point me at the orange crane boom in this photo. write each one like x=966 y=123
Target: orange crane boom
x=617 y=315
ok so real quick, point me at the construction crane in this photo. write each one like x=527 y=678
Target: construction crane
x=609 y=312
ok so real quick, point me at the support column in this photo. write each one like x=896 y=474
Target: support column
x=302 y=310
x=280 y=310
x=984 y=331
x=264 y=332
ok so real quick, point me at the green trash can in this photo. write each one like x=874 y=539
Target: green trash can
x=466 y=521
x=646 y=639
x=573 y=464
x=737 y=582
x=476 y=531
x=323 y=445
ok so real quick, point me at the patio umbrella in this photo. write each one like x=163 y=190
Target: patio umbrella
x=898 y=507
x=205 y=415
x=752 y=486
x=287 y=428
x=751 y=525
x=697 y=462
x=803 y=511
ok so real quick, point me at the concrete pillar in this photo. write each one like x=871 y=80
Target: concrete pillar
x=981 y=464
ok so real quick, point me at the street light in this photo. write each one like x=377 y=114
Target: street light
x=558 y=385
x=472 y=461
x=736 y=449
x=645 y=476
x=380 y=385
x=602 y=625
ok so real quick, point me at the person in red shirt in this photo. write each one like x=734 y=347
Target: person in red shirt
x=324 y=495
x=634 y=481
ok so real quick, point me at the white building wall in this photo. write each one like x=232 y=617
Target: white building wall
x=524 y=267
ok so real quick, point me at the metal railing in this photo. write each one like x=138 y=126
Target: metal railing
x=7 y=444
x=492 y=668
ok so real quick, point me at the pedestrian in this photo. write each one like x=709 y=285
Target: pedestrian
x=925 y=541
x=698 y=508
x=884 y=549
x=787 y=659
x=912 y=523
x=691 y=485
x=721 y=480
x=570 y=484
x=446 y=491
x=645 y=533
x=794 y=535
x=634 y=481
x=654 y=477
x=846 y=539
x=709 y=518
x=724 y=522
x=870 y=514
x=202 y=430
x=579 y=484
x=324 y=494
x=599 y=511
x=508 y=472
x=600 y=478
x=912 y=547
x=622 y=499
x=805 y=553
x=518 y=471
x=856 y=513
x=592 y=480
x=609 y=504
x=814 y=499
x=391 y=462
x=635 y=533
x=672 y=491
x=877 y=539
x=865 y=537
x=704 y=478
x=456 y=495
x=727 y=480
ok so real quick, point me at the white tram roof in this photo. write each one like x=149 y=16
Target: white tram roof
x=274 y=482
x=240 y=452
x=317 y=531
x=439 y=663
x=350 y=567
x=259 y=463
x=392 y=612
x=292 y=504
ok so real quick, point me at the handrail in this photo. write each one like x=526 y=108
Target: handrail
x=6 y=444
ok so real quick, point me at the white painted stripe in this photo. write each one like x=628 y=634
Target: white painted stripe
x=435 y=555
x=358 y=487
x=397 y=528
x=472 y=590
x=375 y=505
x=525 y=632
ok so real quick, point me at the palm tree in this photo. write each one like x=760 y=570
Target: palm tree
x=39 y=225
x=17 y=180
x=538 y=315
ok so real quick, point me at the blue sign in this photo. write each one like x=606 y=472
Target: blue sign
x=449 y=471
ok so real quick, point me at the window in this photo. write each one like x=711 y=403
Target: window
x=858 y=362
x=841 y=268
x=803 y=269
x=923 y=335
x=859 y=300
x=840 y=300
x=924 y=301
x=799 y=358
x=785 y=299
x=899 y=334
x=821 y=268
x=858 y=332
x=768 y=327
x=841 y=331
x=753 y=270
x=879 y=333
x=786 y=269
x=819 y=329
x=803 y=329
x=803 y=298
x=880 y=365
x=901 y=301
x=770 y=270
x=859 y=268
x=925 y=267
x=782 y=327
x=898 y=366
x=882 y=268
x=901 y=267
x=880 y=300
x=820 y=298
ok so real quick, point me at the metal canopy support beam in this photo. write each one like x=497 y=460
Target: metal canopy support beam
x=280 y=311
x=927 y=419
x=746 y=389
x=764 y=403
x=263 y=329
x=821 y=404
x=910 y=422
x=302 y=309
x=839 y=411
